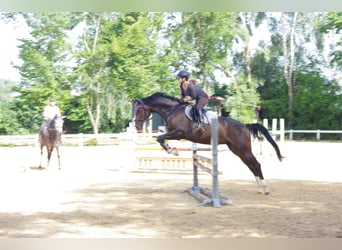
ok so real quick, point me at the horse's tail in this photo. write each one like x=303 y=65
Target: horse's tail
x=256 y=128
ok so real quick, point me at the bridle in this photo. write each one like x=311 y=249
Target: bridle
x=147 y=113
x=139 y=104
x=56 y=124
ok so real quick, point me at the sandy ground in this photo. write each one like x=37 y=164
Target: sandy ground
x=95 y=195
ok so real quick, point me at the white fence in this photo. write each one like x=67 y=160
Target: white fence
x=78 y=139
x=115 y=139
x=318 y=132
x=281 y=130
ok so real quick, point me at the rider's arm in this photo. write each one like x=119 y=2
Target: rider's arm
x=187 y=99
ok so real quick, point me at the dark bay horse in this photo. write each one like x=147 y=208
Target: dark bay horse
x=233 y=133
x=50 y=136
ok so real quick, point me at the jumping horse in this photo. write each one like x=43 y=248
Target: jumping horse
x=50 y=136
x=236 y=135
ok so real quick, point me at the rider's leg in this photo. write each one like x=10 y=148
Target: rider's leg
x=199 y=106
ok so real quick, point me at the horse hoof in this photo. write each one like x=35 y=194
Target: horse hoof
x=264 y=192
x=174 y=152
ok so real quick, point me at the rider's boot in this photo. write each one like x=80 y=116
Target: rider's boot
x=200 y=121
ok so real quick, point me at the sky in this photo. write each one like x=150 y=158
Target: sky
x=10 y=32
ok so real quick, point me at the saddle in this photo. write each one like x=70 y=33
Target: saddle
x=207 y=115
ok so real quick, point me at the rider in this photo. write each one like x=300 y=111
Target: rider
x=190 y=91
x=50 y=112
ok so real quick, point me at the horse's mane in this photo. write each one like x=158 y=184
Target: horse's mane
x=157 y=95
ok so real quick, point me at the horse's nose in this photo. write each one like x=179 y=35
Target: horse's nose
x=138 y=127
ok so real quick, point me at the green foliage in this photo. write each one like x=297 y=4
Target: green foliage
x=333 y=22
x=8 y=119
x=201 y=41
x=91 y=142
x=318 y=103
x=94 y=63
x=241 y=104
x=44 y=70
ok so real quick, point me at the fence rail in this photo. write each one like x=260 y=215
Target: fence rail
x=114 y=139
x=318 y=132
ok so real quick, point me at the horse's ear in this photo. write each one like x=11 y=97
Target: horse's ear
x=137 y=101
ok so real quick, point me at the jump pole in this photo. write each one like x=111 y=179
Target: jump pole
x=214 y=143
x=216 y=199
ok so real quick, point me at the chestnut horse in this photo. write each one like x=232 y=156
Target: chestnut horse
x=233 y=133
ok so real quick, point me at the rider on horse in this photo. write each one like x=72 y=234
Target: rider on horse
x=50 y=112
x=189 y=92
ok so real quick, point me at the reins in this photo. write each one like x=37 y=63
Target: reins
x=175 y=110
x=141 y=105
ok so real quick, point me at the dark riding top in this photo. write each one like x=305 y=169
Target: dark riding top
x=193 y=91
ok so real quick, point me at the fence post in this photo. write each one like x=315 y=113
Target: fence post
x=265 y=123
x=194 y=152
x=318 y=135
x=80 y=140
x=282 y=130
x=291 y=134
x=274 y=128
x=216 y=199
x=214 y=142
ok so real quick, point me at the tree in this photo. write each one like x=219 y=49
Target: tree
x=93 y=63
x=288 y=26
x=244 y=98
x=116 y=60
x=333 y=23
x=43 y=71
x=201 y=41
x=317 y=103
x=305 y=65
x=8 y=121
x=91 y=68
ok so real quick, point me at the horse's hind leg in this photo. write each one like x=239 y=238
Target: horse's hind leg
x=252 y=163
x=249 y=159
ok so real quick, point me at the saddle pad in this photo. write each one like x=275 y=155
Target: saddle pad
x=207 y=114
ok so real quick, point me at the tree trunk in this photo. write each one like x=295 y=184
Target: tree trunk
x=246 y=23
x=289 y=58
x=94 y=120
x=94 y=107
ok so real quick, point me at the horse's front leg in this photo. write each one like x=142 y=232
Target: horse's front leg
x=49 y=152
x=41 y=156
x=172 y=135
x=59 y=159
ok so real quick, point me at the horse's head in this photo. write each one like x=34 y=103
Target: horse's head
x=57 y=123
x=141 y=114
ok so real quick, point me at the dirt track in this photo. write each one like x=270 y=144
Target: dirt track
x=100 y=200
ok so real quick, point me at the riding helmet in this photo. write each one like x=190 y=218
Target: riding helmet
x=183 y=73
